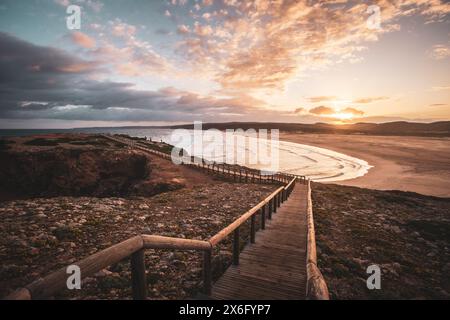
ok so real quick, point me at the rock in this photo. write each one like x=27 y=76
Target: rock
x=446 y=268
x=88 y=280
x=103 y=273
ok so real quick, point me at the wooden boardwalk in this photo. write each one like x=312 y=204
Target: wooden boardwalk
x=274 y=268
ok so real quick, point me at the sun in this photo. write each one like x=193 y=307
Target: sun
x=343 y=116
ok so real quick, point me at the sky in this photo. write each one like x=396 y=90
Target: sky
x=141 y=62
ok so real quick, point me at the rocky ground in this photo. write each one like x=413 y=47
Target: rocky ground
x=76 y=165
x=406 y=234
x=42 y=235
x=64 y=197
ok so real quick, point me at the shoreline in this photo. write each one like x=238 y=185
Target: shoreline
x=420 y=164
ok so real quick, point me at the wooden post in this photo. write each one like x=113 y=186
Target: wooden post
x=236 y=247
x=252 y=229
x=270 y=209
x=138 y=280
x=263 y=217
x=275 y=201
x=207 y=272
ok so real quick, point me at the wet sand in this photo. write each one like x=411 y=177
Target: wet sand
x=416 y=164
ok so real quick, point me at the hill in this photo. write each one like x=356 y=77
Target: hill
x=400 y=128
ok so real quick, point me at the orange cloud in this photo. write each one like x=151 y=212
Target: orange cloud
x=370 y=99
x=261 y=44
x=352 y=111
x=122 y=30
x=77 y=68
x=322 y=110
x=321 y=98
x=83 y=40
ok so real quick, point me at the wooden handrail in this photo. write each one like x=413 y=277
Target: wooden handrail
x=159 y=242
x=56 y=281
x=216 y=239
x=316 y=287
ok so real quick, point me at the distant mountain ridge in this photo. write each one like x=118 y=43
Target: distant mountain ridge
x=402 y=128
x=398 y=128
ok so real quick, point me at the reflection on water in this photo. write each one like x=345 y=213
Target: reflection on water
x=316 y=163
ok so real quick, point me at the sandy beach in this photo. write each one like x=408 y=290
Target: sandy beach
x=416 y=164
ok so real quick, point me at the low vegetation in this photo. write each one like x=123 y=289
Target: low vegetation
x=406 y=234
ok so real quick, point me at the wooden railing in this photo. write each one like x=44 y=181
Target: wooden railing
x=135 y=247
x=316 y=287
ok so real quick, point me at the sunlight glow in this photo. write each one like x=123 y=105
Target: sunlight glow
x=343 y=116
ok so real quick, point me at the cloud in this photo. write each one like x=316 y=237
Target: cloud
x=352 y=111
x=183 y=29
x=202 y=30
x=128 y=55
x=327 y=111
x=64 y=3
x=95 y=5
x=262 y=44
x=370 y=99
x=299 y=110
x=322 y=110
x=440 y=88
x=45 y=83
x=22 y=60
x=321 y=99
x=121 y=29
x=82 y=39
x=440 y=52
x=438 y=104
